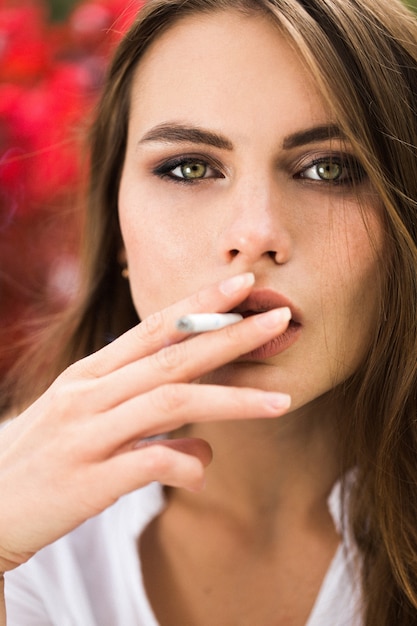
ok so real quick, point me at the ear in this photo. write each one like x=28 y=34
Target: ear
x=122 y=260
x=122 y=256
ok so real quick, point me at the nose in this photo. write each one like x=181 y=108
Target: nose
x=256 y=226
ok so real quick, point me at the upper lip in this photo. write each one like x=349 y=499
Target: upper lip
x=262 y=300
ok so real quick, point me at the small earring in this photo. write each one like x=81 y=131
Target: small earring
x=125 y=272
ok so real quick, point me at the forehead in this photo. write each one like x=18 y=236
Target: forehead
x=223 y=67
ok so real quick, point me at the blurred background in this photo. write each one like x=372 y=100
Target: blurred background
x=53 y=55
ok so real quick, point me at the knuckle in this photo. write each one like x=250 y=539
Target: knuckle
x=62 y=398
x=86 y=368
x=233 y=333
x=157 y=460
x=170 y=398
x=152 y=326
x=198 y=300
x=238 y=401
x=67 y=397
x=71 y=372
x=171 y=358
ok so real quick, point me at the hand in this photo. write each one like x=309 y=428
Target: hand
x=80 y=446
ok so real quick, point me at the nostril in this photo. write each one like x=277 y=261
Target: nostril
x=234 y=253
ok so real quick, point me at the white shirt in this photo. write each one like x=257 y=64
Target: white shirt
x=92 y=576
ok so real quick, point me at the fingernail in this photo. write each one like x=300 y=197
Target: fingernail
x=278 y=401
x=232 y=285
x=270 y=319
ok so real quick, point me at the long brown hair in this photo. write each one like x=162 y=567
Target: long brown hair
x=363 y=55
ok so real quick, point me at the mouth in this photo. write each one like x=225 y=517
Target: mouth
x=264 y=300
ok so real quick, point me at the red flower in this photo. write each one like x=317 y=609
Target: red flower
x=24 y=53
x=49 y=79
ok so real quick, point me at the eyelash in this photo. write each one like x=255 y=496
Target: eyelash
x=353 y=170
x=165 y=170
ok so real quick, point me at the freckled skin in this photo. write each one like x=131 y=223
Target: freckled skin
x=252 y=200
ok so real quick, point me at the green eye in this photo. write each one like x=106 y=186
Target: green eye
x=329 y=171
x=193 y=170
x=188 y=170
x=337 y=170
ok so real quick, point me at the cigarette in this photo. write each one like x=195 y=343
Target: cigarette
x=203 y=322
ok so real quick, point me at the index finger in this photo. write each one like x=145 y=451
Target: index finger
x=159 y=330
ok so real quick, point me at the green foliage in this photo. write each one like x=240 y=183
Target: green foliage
x=59 y=9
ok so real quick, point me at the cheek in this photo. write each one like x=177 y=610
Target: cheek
x=354 y=295
x=162 y=256
x=356 y=242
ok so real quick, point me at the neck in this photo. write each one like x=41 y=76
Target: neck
x=283 y=468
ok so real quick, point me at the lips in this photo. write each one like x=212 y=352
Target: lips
x=264 y=300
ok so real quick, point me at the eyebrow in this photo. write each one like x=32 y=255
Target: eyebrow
x=311 y=135
x=177 y=133
x=174 y=133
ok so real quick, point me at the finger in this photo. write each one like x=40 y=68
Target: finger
x=135 y=469
x=169 y=407
x=85 y=491
x=194 y=446
x=188 y=360
x=159 y=330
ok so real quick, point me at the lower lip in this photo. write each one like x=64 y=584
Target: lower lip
x=275 y=346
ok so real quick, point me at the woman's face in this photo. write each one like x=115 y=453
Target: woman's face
x=231 y=167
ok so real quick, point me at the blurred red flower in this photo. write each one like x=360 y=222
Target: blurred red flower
x=50 y=76
x=24 y=53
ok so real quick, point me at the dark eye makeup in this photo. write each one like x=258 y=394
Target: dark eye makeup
x=188 y=169
x=332 y=169
x=336 y=169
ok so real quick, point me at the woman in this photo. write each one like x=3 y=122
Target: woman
x=254 y=157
